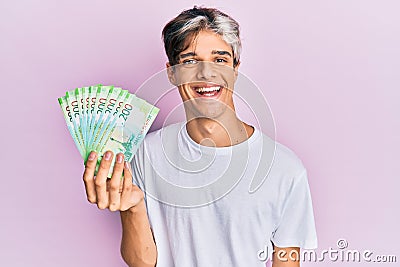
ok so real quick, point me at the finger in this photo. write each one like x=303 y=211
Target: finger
x=121 y=184
x=127 y=177
x=114 y=194
x=101 y=178
x=131 y=194
x=88 y=177
x=126 y=188
x=127 y=182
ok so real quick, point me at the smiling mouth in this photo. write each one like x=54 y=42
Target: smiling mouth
x=207 y=90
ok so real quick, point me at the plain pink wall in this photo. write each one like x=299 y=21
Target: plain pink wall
x=329 y=69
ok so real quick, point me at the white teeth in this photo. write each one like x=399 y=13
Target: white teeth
x=207 y=89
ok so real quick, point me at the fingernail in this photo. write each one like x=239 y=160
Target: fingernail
x=107 y=155
x=120 y=158
x=92 y=155
x=127 y=165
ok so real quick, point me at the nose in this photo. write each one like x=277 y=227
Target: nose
x=206 y=70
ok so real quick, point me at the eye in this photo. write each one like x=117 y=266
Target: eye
x=221 y=60
x=189 y=61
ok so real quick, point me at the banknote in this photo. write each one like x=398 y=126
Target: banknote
x=101 y=118
x=103 y=111
x=75 y=115
x=90 y=105
x=117 y=119
x=101 y=98
x=134 y=120
x=111 y=115
x=68 y=119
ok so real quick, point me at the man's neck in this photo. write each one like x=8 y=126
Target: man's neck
x=221 y=133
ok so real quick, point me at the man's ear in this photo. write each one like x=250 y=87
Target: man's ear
x=171 y=73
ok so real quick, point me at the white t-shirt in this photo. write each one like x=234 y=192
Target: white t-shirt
x=222 y=206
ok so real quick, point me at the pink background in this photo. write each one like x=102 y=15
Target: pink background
x=330 y=71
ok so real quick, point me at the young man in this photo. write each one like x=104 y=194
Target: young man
x=189 y=203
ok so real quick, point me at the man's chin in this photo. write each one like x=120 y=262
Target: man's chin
x=214 y=111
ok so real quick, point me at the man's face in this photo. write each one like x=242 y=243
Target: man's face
x=205 y=76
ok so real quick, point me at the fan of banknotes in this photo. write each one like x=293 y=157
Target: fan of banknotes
x=101 y=118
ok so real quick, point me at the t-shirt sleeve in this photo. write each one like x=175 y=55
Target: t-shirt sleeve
x=296 y=227
x=137 y=167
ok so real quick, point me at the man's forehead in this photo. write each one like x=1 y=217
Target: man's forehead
x=221 y=47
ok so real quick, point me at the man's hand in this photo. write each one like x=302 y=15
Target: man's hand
x=117 y=193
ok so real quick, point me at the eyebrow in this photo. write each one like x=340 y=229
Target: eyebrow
x=190 y=54
x=217 y=52
x=221 y=52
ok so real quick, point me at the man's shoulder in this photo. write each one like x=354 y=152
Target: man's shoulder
x=287 y=154
x=156 y=136
x=285 y=159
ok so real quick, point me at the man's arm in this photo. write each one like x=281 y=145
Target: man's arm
x=120 y=194
x=286 y=257
x=137 y=246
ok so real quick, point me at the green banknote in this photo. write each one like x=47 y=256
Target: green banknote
x=103 y=112
x=114 y=120
x=75 y=114
x=101 y=98
x=111 y=115
x=68 y=119
x=133 y=122
x=102 y=118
